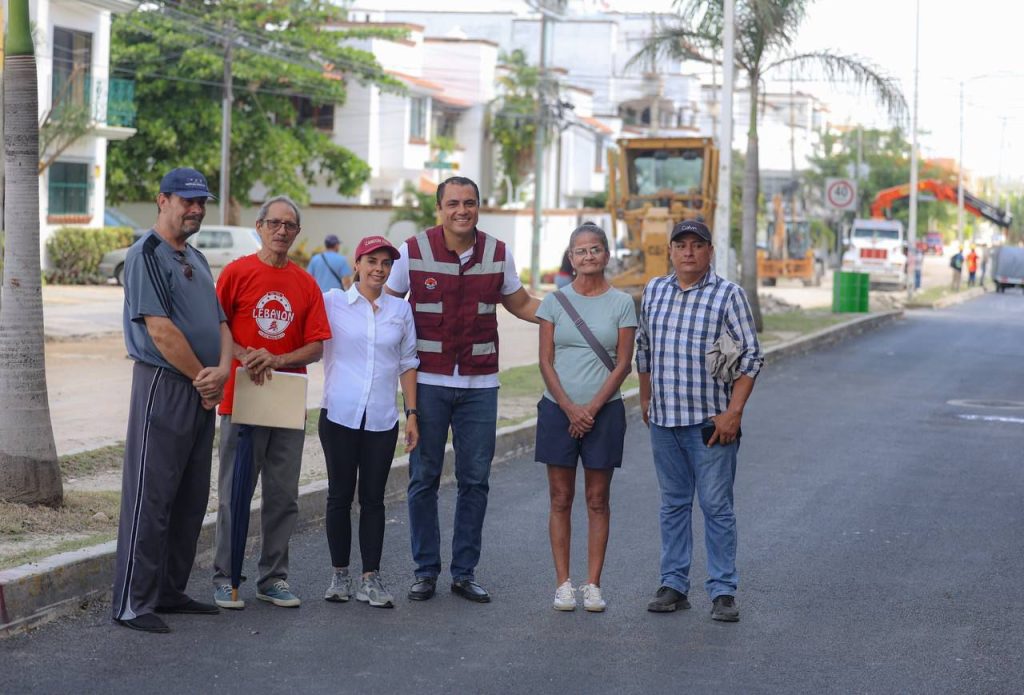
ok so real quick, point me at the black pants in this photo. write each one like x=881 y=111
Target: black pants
x=350 y=454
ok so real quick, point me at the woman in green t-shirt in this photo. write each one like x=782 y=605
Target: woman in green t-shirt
x=581 y=416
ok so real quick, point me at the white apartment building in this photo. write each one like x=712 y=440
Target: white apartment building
x=73 y=58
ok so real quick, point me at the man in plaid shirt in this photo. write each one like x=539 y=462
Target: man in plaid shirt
x=681 y=316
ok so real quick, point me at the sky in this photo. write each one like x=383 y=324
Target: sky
x=976 y=42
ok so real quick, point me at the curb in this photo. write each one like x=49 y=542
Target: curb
x=39 y=592
x=950 y=300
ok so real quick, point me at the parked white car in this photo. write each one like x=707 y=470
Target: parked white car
x=220 y=245
x=877 y=247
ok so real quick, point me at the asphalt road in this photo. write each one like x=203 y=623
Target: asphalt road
x=880 y=518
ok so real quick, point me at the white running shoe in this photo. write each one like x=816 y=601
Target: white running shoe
x=565 y=597
x=592 y=600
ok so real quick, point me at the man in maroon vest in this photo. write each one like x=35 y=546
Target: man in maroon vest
x=455 y=276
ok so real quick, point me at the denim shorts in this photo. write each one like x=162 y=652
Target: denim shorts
x=600 y=448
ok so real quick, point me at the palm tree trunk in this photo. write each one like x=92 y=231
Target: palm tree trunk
x=751 y=184
x=29 y=470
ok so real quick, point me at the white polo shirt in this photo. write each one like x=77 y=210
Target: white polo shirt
x=366 y=353
x=398 y=281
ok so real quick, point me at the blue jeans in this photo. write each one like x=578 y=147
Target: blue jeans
x=472 y=415
x=683 y=464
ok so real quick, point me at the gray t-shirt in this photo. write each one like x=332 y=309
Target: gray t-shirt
x=579 y=369
x=156 y=283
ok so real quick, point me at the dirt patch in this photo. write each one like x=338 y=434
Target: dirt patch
x=28 y=532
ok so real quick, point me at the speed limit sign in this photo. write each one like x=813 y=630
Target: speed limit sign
x=841 y=194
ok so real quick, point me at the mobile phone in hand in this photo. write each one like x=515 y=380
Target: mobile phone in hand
x=709 y=429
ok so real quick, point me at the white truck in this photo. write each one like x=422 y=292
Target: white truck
x=877 y=247
x=1008 y=267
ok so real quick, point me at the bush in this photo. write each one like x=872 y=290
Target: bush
x=76 y=253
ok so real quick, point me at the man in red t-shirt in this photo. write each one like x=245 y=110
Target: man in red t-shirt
x=276 y=314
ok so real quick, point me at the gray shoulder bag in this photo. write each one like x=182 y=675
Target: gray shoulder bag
x=584 y=330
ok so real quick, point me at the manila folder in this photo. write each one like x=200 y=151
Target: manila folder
x=279 y=402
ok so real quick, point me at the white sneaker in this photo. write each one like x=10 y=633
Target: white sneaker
x=592 y=600
x=565 y=597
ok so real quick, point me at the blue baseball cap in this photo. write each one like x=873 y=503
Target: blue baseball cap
x=185 y=183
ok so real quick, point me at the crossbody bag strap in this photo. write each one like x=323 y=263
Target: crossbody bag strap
x=333 y=271
x=585 y=331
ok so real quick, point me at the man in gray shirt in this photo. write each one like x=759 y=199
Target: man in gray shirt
x=175 y=331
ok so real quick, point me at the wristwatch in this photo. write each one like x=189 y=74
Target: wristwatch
x=410 y=411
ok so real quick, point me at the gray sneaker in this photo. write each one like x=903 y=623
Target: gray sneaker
x=340 y=589
x=372 y=591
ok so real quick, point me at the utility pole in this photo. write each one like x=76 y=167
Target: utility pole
x=225 y=129
x=960 y=176
x=723 y=208
x=912 y=231
x=540 y=126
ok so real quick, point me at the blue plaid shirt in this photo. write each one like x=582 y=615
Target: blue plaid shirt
x=676 y=329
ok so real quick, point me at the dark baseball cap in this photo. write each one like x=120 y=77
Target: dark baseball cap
x=331 y=240
x=185 y=183
x=692 y=227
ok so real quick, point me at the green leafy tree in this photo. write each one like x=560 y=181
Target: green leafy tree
x=29 y=469
x=765 y=31
x=417 y=207
x=513 y=121
x=886 y=154
x=289 y=61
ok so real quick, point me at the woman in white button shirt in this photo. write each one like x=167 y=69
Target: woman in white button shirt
x=372 y=350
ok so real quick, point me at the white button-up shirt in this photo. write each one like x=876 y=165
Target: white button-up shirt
x=367 y=352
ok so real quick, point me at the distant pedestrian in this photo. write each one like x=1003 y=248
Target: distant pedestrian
x=565 y=271
x=918 y=259
x=584 y=359
x=972 y=267
x=278 y=323
x=330 y=268
x=693 y=414
x=175 y=331
x=985 y=251
x=372 y=349
x=956 y=264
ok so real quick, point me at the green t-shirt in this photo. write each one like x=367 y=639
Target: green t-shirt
x=579 y=369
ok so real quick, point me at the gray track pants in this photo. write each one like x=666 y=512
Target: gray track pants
x=164 y=490
x=277 y=454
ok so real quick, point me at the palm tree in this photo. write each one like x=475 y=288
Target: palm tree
x=29 y=470
x=765 y=31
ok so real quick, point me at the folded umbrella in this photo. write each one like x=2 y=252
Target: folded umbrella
x=241 y=502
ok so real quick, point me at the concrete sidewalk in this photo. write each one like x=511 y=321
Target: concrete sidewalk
x=36 y=593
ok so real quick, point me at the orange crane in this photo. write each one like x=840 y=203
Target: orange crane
x=942 y=191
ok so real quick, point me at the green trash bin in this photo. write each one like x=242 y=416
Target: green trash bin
x=850 y=292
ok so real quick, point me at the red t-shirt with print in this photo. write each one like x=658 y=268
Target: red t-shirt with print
x=280 y=309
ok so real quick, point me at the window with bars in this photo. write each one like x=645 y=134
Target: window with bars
x=72 y=68
x=418 y=118
x=69 y=188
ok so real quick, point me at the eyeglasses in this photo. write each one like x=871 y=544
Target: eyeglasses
x=186 y=267
x=592 y=251
x=274 y=225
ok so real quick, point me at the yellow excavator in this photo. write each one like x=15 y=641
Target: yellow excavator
x=653 y=183
x=789 y=253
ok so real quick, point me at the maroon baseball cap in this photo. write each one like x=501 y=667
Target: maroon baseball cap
x=373 y=243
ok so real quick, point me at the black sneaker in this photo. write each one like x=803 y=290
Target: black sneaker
x=667 y=600
x=145 y=623
x=724 y=608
